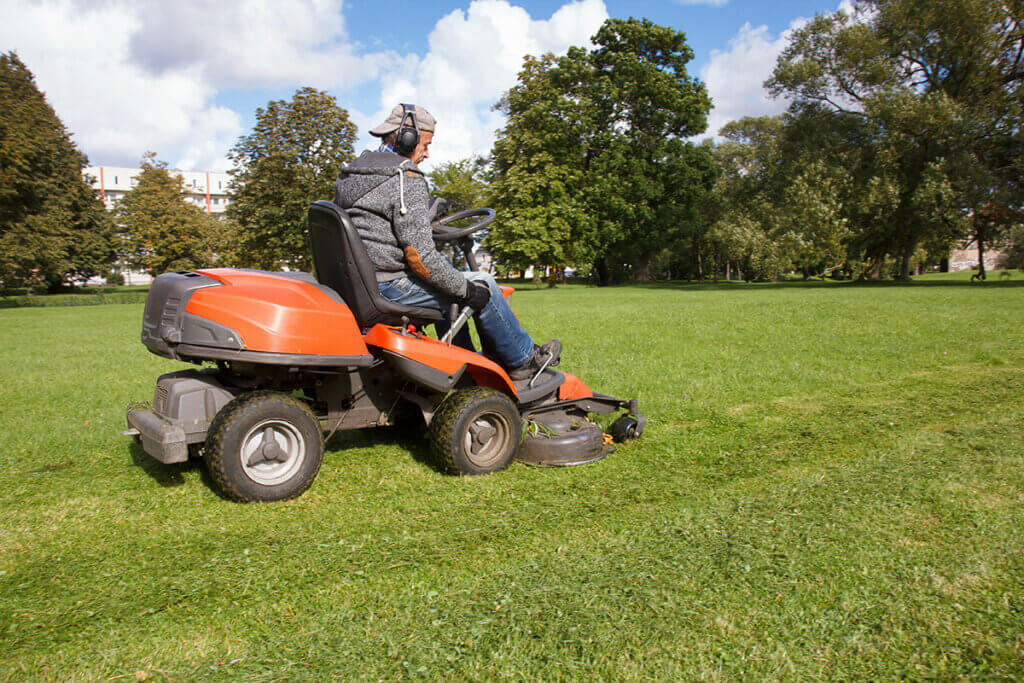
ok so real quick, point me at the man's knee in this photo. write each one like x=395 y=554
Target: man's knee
x=483 y=278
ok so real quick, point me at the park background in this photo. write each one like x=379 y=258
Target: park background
x=831 y=481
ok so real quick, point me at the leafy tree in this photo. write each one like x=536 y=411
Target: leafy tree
x=938 y=86
x=52 y=227
x=461 y=182
x=591 y=168
x=289 y=160
x=165 y=231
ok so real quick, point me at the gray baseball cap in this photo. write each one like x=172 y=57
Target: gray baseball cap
x=424 y=120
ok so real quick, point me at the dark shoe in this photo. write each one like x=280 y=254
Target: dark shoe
x=551 y=349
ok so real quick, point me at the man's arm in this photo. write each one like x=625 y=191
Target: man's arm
x=413 y=230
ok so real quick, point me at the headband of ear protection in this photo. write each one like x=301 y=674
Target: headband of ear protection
x=408 y=136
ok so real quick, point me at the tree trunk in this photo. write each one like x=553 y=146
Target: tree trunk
x=908 y=254
x=642 y=271
x=875 y=271
x=981 y=255
x=728 y=270
x=604 y=276
x=714 y=275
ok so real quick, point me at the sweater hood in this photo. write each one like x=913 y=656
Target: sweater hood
x=380 y=163
x=371 y=170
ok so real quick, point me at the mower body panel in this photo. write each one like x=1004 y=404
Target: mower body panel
x=184 y=404
x=420 y=358
x=275 y=313
x=252 y=316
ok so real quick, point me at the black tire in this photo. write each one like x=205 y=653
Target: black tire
x=475 y=431
x=264 y=446
x=624 y=428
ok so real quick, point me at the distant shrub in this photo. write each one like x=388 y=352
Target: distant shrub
x=53 y=300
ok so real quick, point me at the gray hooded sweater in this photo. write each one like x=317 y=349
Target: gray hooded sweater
x=386 y=196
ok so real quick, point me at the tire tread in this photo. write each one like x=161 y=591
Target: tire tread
x=232 y=412
x=445 y=423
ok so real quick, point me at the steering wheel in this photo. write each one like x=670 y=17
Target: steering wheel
x=444 y=233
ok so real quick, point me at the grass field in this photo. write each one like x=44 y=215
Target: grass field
x=831 y=486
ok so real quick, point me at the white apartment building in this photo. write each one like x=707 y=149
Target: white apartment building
x=206 y=189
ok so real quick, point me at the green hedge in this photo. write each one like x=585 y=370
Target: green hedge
x=48 y=300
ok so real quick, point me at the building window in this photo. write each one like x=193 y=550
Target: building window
x=115 y=180
x=218 y=185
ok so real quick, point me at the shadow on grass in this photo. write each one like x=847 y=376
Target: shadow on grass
x=166 y=475
x=410 y=437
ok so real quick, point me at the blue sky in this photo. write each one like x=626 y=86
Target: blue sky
x=184 y=78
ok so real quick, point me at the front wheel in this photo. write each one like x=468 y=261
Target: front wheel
x=264 y=446
x=475 y=431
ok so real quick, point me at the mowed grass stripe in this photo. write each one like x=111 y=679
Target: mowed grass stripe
x=863 y=526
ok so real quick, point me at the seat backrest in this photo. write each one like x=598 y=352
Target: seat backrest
x=340 y=261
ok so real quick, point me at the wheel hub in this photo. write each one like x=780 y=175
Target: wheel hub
x=486 y=438
x=272 y=451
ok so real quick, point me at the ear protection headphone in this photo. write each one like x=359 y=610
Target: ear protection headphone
x=408 y=136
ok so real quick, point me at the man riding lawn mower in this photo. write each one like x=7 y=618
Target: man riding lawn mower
x=298 y=355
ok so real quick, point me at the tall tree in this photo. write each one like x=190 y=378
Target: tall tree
x=591 y=168
x=939 y=84
x=165 y=231
x=52 y=226
x=289 y=160
x=461 y=182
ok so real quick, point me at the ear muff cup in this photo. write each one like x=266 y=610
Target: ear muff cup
x=408 y=136
x=406 y=141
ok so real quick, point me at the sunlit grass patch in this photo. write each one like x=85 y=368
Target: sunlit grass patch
x=831 y=485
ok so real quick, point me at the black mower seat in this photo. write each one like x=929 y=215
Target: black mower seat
x=341 y=263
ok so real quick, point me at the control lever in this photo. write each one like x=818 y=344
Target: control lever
x=543 y=367
x=457 y=323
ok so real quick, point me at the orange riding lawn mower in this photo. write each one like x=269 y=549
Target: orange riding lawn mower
x=287 y=357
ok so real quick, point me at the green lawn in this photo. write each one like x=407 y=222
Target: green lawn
x=831 y=485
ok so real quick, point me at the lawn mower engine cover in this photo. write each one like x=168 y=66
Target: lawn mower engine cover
x=166 y=324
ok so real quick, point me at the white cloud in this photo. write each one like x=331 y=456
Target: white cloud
x=254 y=43
x=735 y=77
x=128 y=76
x=474 y=57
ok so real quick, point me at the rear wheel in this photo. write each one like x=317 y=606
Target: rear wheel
x=475 y=431
x=264 y=446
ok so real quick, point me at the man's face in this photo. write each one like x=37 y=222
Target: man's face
x=422 y=150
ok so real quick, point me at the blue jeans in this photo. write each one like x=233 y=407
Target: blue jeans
x=501 y=335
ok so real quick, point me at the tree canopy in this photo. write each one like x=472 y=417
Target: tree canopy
x=932 y=92
x=592 y=167
x=53 y=228
x=165 y=231
x=289 y=160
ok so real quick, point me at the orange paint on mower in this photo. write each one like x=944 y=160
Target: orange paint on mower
x=277 y=314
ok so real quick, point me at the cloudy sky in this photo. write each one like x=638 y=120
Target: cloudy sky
x=183 y=78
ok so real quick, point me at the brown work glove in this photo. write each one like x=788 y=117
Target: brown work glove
x=477 y=296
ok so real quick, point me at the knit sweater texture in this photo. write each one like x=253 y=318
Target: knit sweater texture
x=386 y=196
